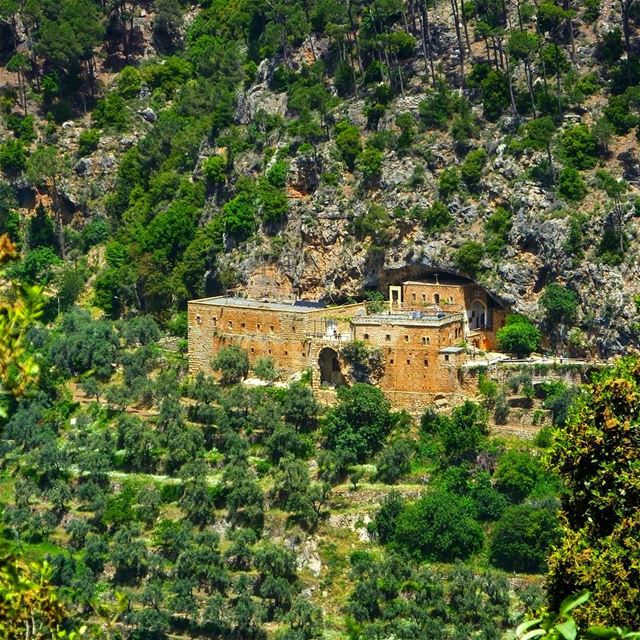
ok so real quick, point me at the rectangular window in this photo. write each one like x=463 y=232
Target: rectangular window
x=406 y=338
x=366 y=336
x=271 y=328
x=408 y=361
x=414 y=297
x=242 y=325
x=446 y=357
x=388 y=337
x=230 y=324
x=391 y=361
x=426 y=363
x=258 y=326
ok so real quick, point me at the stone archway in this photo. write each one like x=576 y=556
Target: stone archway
x=330 y=371
x=477 y=315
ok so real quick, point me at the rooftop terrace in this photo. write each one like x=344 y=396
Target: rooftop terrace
x=410 y=318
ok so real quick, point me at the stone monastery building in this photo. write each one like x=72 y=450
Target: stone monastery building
x=420 y=339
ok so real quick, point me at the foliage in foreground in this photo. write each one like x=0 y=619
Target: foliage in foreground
x=597 y=456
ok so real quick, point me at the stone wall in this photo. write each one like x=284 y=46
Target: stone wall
x=412 y=359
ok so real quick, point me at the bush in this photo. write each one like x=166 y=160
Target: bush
x=129 y=83
x=449 y=182
x=215 y=170
x=579 y=147
x=369 y=163
x=233 y=364
x=439 y=527
x=266 y=369
x=13 y=157
x=88 y=142
x=522 y=538
x=394 y=462
x=497 y=228
x=468 y=258
x=516 y=474
x=348 y=143
x=436 y=217
x=461 y=433
x=520 y=336
x=571 y=185
x=437 y=108
x=560 y=304
x=472 y=167
x=111 y=113
x=359 y=422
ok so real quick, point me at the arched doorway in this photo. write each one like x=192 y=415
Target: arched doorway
x=330 y=372
x=478 y=315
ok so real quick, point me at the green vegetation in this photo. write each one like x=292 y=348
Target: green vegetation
x=519 y=336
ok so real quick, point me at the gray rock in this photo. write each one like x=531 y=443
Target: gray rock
x=149 y=114
x=83 y=166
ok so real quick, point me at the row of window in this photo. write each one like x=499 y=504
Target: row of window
x=425 y=339
x=436 y=298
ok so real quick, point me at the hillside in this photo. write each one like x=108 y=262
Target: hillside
x=154 y=152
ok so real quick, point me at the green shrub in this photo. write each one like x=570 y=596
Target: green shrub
x=619 y=114
x=522 y=538
x=111 y=113
x=88 y=142
x=437 y=108
x=214 y=169
x=560 y=304
x=348 y=143
x=497 y=229
x=402 y=43
x=571 y=185
x=449 y=182
x=440 y=526
x=129 y=83
x=13 y=157
x=579 y=147
x=436 y=217
x=468 y=258
x=233 y=364
x=472 y=168
x=520 y=336
x=517 y=474
x=369 y=163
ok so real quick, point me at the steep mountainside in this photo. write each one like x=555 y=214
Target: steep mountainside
x=327 y=149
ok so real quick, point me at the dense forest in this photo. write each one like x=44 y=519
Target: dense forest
x=154 y=152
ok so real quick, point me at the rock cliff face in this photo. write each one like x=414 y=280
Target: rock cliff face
x=320 y=251
x=321 y=257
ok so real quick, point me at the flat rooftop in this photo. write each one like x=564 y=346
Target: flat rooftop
x=299 y=306
x=409 y=318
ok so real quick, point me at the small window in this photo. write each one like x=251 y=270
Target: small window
x=450 y=300
x=242 y=325
x=293 y=328
x=366 y=336
x=436 y=298
x=408 y=361
x=406 y=338
x=424 y=297
x=198 y=319
x=215 y=321
x=258 y=327
x=446 y=356
x=425 y=340
x=426 y=363
x=271 y=328
x=414 y=297
x=230 y=324
x=286 y=353
x=388 y=337
x=270 y=352
x=252 y=350
x=391 y=361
